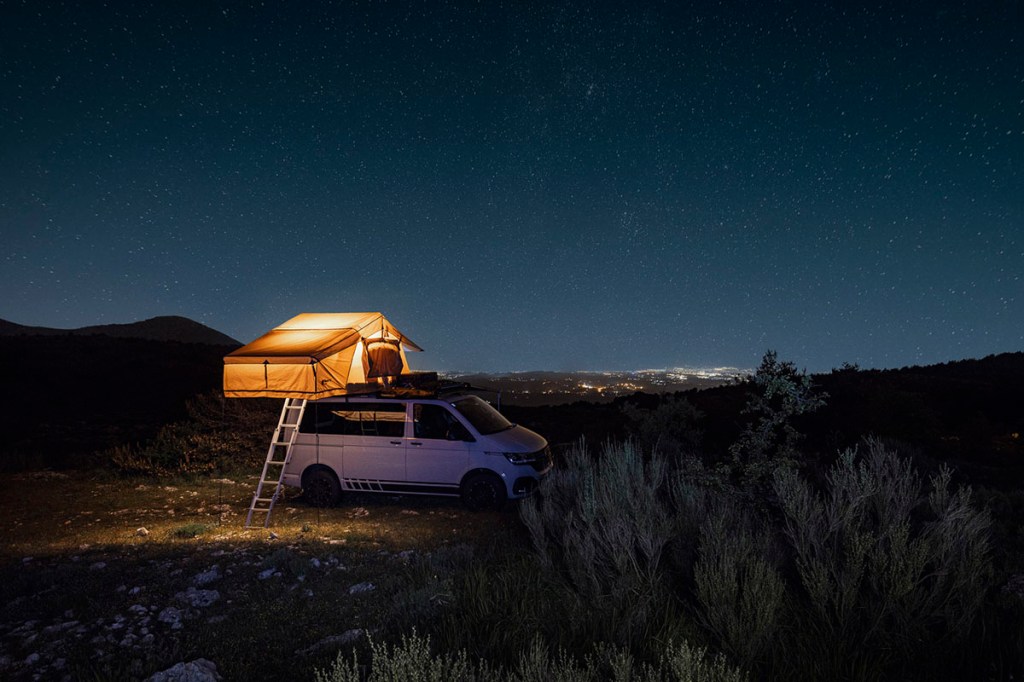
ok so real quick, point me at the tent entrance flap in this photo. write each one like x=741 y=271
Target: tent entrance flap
x=317 y=355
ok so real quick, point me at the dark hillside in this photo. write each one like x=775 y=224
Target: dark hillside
x=78 y=394
x=163 y=328
x=968 y=413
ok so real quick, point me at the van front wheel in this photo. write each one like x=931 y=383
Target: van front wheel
x=482 y=492
x=320 y=487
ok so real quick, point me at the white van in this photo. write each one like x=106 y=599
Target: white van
x=454 y=445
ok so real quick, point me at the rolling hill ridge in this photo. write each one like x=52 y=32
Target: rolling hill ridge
x=161 y=328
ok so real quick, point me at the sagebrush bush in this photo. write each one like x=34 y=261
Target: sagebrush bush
x=875 y=575
x=887 y=573
x=412 y=661
x=603 y=524
x=740 y=594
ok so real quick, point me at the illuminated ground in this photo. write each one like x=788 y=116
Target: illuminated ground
x=87 y=594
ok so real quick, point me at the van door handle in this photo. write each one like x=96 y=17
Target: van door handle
x=415 y=443
x=396 y=442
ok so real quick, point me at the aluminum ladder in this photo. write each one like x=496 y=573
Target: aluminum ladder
x=278 y=455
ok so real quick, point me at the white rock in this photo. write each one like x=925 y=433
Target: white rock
x=142 y=532
x=209 y=576
x=199 y=670
x=32 y=659
x=198 y=598
x=332 y=642
x=98 y=566
x=362 y=587
x=171 y=616
x=265 y=574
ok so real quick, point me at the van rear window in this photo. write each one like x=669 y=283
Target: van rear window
x=355 y=419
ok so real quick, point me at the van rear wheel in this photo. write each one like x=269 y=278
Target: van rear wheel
x=320 y=487
x=483 y=492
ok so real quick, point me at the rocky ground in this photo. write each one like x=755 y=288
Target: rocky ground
x=123 y=579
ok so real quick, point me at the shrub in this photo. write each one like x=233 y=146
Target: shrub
x=603 y=524
x=670 y=428
x=190 y=530
x=886 y=570
x=769 y=441
x=412 y=660
x=739 y=593
x=220 y=434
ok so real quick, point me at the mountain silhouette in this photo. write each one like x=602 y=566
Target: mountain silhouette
x=162 y=328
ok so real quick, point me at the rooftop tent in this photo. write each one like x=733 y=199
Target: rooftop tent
x=317 y=355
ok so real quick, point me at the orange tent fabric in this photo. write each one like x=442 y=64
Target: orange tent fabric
x=315 y=355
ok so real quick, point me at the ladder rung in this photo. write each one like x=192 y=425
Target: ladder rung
x=264 y=499
x=276 y=461
x=273 y=481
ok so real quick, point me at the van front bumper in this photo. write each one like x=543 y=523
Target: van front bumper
x=524 y=485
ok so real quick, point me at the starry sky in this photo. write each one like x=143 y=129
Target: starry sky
x=520 y=185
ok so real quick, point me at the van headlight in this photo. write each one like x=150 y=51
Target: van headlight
x=520 y=457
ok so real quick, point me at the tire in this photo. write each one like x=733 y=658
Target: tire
x=483 y=492
x=320 y=488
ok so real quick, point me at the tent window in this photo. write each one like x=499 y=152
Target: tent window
x=355 y=419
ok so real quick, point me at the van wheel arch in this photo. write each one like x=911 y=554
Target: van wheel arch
x=483 y=490
x=320 y=486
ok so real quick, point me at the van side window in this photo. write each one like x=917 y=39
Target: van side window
x=434 y=421
x=355 y=419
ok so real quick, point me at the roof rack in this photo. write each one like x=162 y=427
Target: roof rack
x=447 y=386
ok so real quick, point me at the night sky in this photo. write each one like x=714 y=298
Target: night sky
x=521 y=186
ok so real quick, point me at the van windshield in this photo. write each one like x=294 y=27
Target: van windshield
x=484 y=418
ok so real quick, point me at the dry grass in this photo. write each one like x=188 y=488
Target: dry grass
x=76 y=577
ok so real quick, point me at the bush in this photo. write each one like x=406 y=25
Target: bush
x=190 y=530
x=670 y=428
x=889 y=575
x=219 y=435
x=768 y=442
x=877 y=575
x=412 y=660
x=603 y=525
x=740 y=594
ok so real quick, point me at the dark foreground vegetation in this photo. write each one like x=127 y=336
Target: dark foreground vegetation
x=853 y=525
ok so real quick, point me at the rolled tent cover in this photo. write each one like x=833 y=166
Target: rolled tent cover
x=315 y=355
